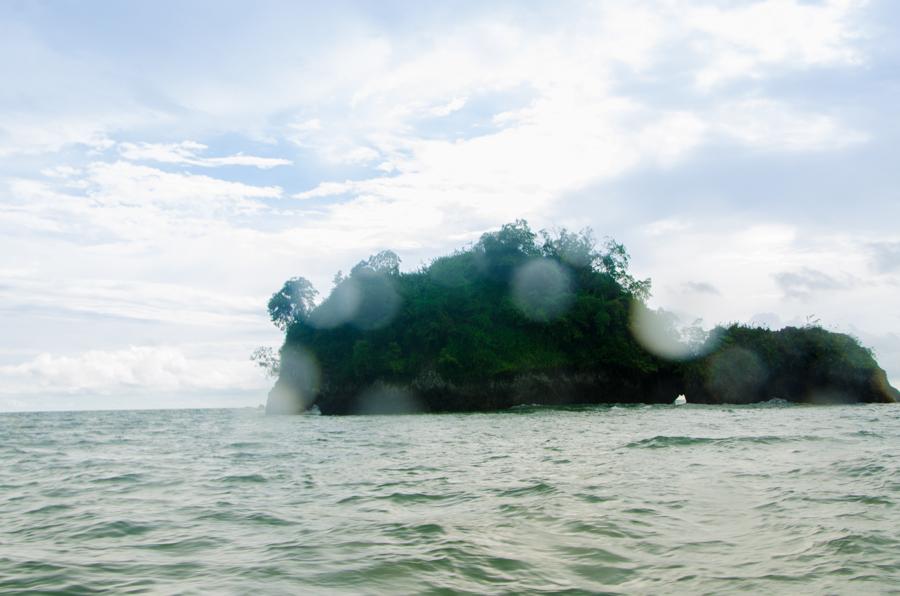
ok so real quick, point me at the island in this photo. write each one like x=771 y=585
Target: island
x=548 y=318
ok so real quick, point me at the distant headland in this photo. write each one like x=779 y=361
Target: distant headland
x=535 y=318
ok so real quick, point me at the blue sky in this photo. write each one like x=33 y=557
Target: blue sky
x=164 y=167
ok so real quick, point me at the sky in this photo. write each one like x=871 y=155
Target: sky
x=166 y=166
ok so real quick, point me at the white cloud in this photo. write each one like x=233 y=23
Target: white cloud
x=186 y=152
x=24 y=134
x=744 y=40
x=576 y=127
x=312 y=124
x=561 y=143
x=804 y=283
x=61 y=172
x=662 y=227
x=326 y=189
x=125 y=183
x=160 y=302
x=454 y=105
x=753 y=266
x=141 y=369
x=359 y=155
x=771 y=125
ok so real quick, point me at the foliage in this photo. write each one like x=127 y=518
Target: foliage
x=457 y=317
x=292 y=303
x=385 y=262
x=266 y=358
x=806 y=363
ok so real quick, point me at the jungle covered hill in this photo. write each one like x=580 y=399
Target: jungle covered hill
x=535 y=318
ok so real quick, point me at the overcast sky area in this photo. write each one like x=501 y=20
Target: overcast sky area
x=165 y=166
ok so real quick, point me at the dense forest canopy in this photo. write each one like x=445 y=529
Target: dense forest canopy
x=522 y=317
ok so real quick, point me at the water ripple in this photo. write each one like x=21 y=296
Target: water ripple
x=579 y=500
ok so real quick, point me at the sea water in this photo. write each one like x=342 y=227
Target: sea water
x=663 y=499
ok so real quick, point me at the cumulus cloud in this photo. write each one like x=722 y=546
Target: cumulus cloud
x=327 y=189
x=142 y=369
x=159 y=302
x=805 y=282
x=701 y=287
x=186 y=152
x=746 y=39
x=771 y=125
x=885 y=256
x=574 y=126
x=125 y=183
x=31 y=134
x=664 y=227
x=448 y=108
x=755 y=267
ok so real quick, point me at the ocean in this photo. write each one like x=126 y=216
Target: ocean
x=770 y=498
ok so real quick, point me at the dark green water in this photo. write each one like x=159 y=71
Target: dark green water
x=647 y=499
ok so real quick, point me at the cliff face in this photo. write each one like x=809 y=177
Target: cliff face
x=430 y=392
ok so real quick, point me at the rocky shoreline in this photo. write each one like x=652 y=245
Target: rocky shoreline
x=430 y=392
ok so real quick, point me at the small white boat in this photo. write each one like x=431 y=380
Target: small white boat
x=680 y=400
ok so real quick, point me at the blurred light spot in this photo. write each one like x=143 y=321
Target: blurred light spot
x=340 y=307
x=387 y=399
x=542 y=290
x=447 y=275
x=831 y=396
x=659 y=333
x=656 y=331
x=736 y=375
x=367 y=300
x=297 y=385
x=379 y=301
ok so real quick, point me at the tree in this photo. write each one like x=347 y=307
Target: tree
x=292 y=303
x=576 y=249
x=501 y=252
x=614 y=261
x=385 y=262
x=513 y=238
x=266 y=358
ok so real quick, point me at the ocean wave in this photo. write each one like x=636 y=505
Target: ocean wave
x=640 y=500
x=663 y=441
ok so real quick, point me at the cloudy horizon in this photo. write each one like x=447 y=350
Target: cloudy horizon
x=164 y=167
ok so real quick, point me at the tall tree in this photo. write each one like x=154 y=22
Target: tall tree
x=385 y=262
x=292 y=303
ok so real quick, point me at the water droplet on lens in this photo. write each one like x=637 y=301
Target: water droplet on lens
x=736 y=375
x=298 y=382
x=656 y=331
x=340 y=307
x=387 y=399
x=542 y=290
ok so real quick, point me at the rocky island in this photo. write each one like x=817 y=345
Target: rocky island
x=536 y=318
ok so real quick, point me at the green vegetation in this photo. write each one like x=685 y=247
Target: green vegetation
x=808 y=364
x=522 y=318
x=292 y=303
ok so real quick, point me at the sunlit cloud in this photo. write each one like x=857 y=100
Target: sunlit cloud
x=746 y=39
x=142 y=369
x=187 y=152
x=805 y=282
